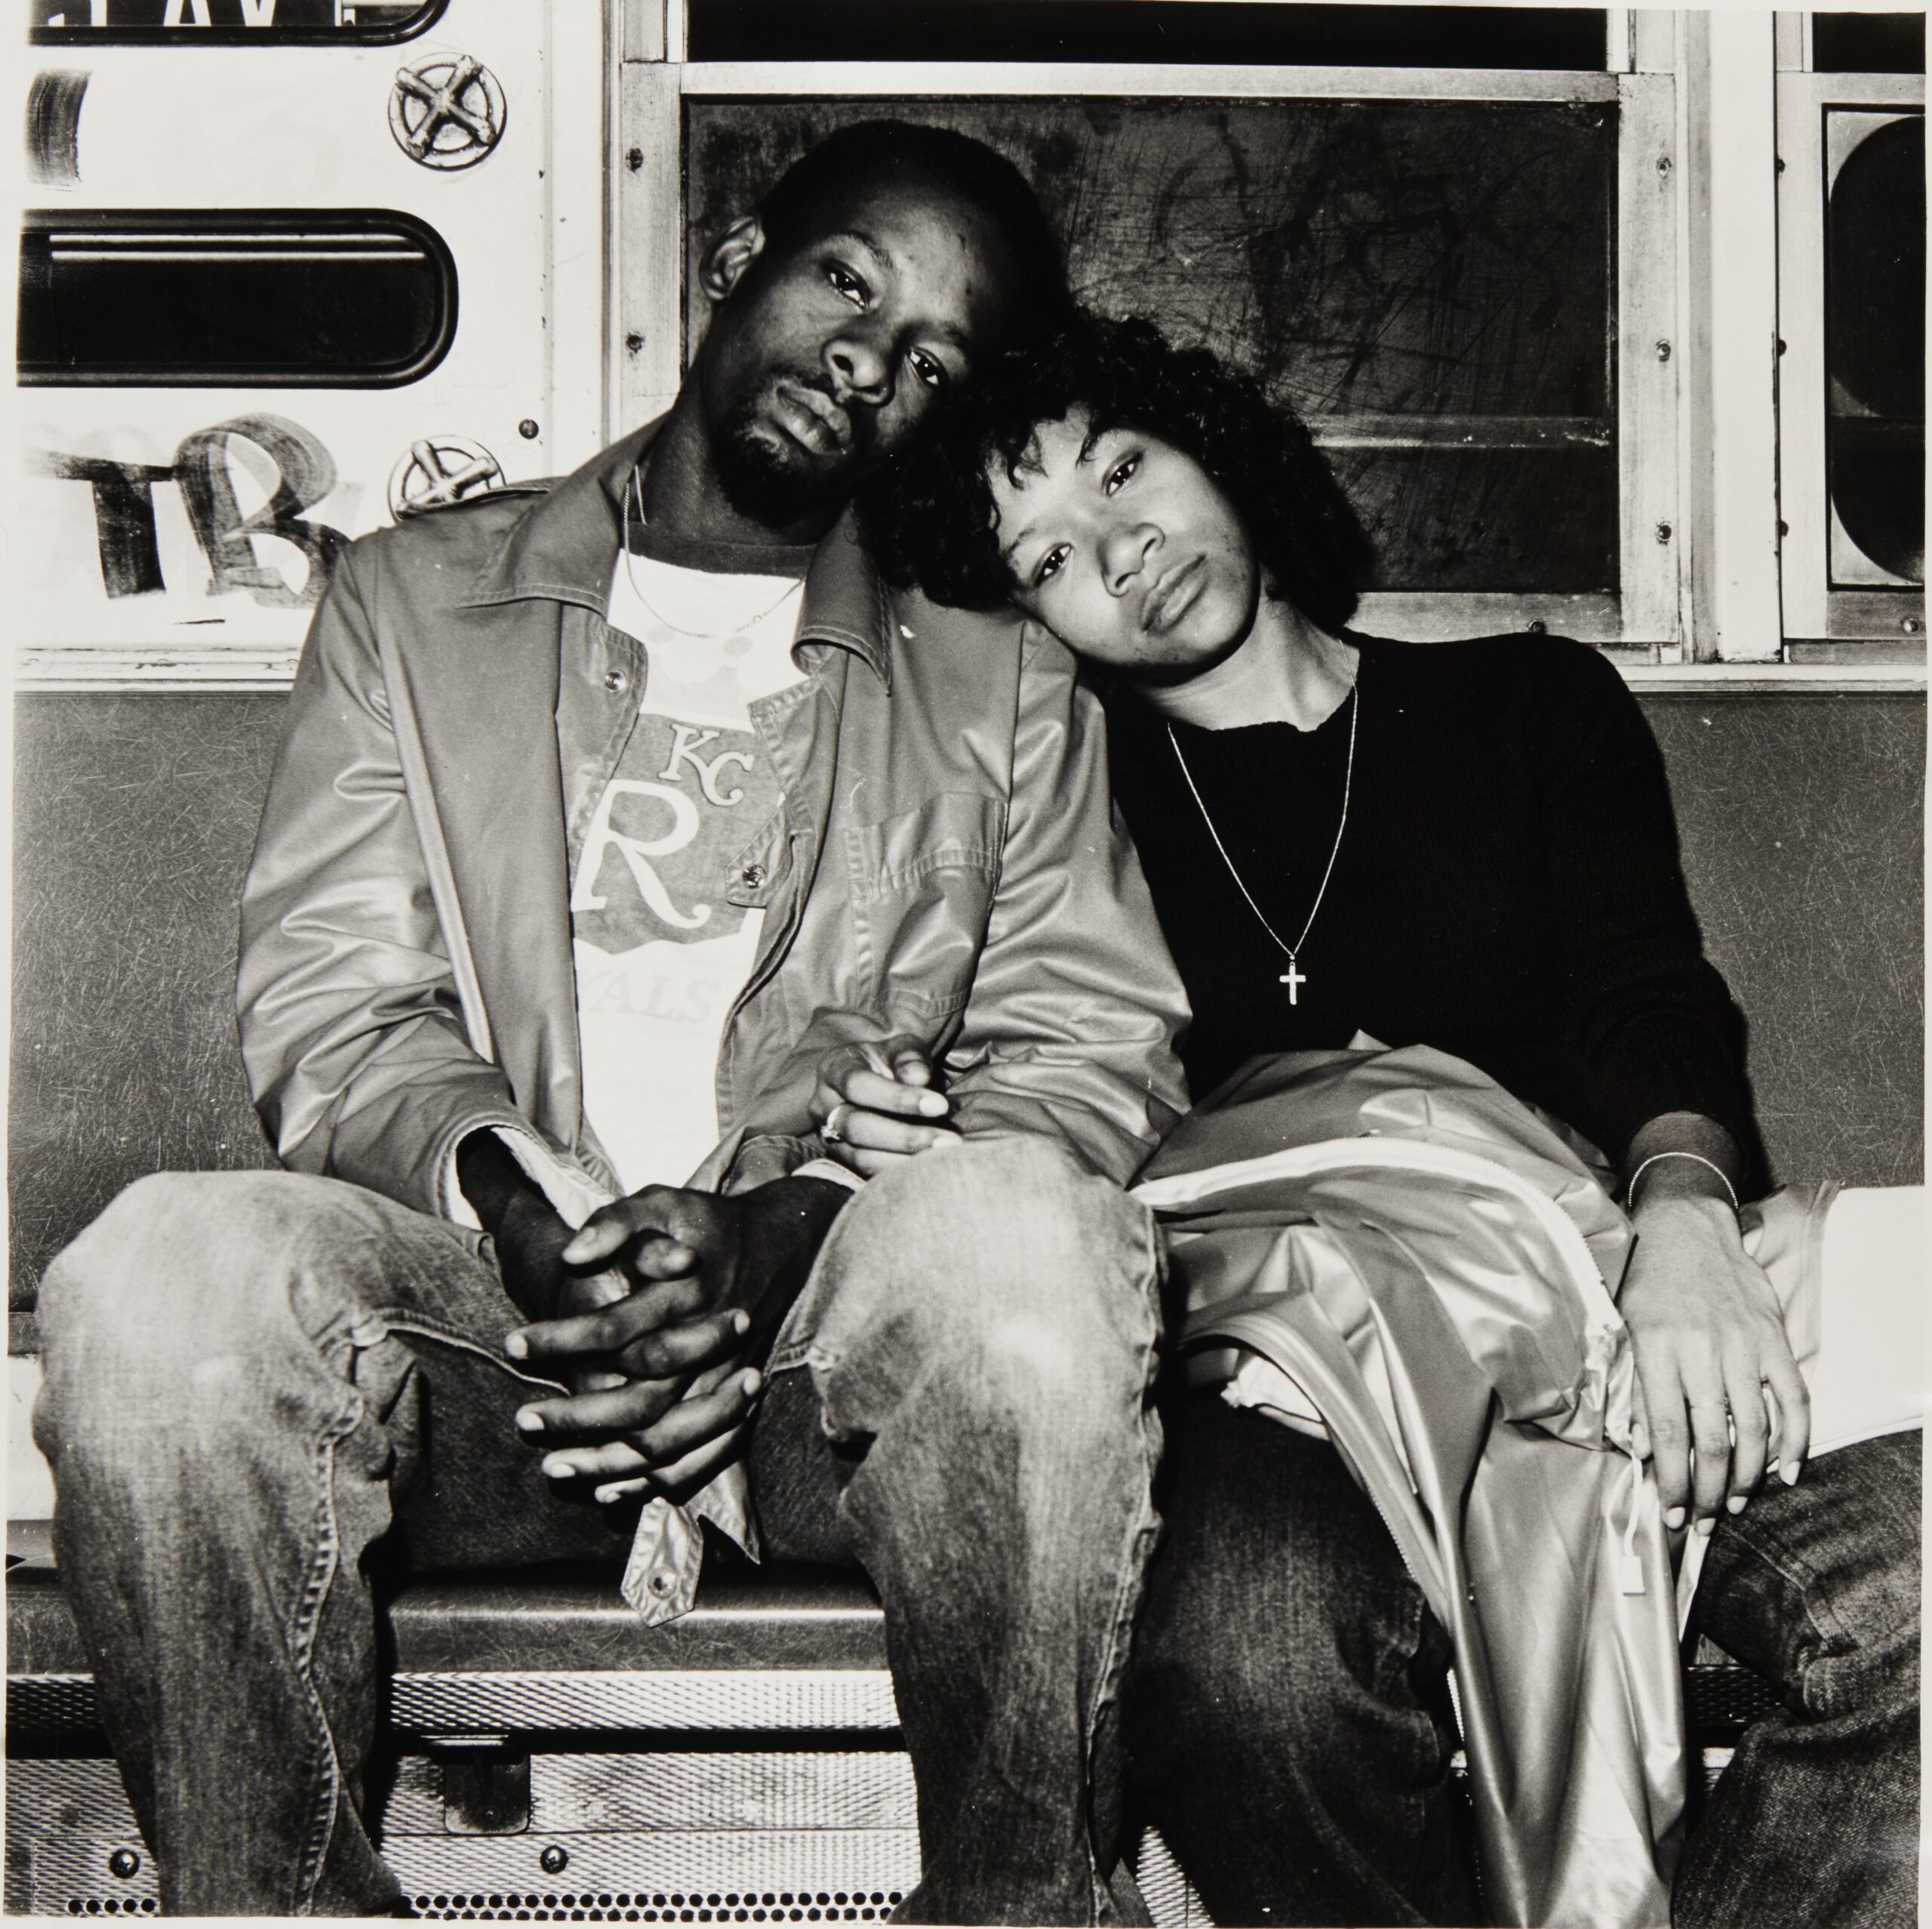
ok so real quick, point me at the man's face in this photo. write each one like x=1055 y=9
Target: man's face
x=830 y=346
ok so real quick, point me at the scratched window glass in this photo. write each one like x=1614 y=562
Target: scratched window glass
x=1431 y=283
x=182 y=22
x=182 y=299
x=1875 y=348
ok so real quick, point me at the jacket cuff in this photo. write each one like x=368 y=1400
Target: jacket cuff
x=571 y=1190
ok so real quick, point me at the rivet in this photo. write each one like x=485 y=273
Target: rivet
x=1663 y=164
x=633 y=341
x=124 y=1863
x=1537 y=627
x=1663 y=351
x=554 y=1860
x=634 y=160
x=1663 y=532
x=528 y=429
x=1911 y=625
x=1784 y=528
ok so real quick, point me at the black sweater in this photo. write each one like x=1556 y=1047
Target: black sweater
x=1507 y=887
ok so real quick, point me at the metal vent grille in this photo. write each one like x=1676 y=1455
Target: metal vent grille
x=772 y=1699
x=663 y=1905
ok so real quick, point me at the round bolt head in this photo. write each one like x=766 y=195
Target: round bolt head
x=554 y=1860
x=124 y=1863
x=528 y=429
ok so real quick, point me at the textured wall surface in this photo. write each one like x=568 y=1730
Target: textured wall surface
x=132 y=820
x=134 y=816
x=1802 y=819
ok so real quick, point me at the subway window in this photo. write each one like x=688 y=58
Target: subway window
x=274 y=299
x=1431 y=283
x=1875 y=348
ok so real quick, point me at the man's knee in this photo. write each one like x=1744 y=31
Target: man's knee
x=174 y=1303
x=999 y=1278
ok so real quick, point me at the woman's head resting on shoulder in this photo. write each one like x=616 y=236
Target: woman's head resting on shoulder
x=1140 y=499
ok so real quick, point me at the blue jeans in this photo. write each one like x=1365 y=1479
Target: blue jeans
x=1816 y=1587
x=260 y=1386
x=1287 y=1729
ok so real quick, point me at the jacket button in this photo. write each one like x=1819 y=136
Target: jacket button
x=616 y=682
x=663 y=1583
x=753 y=875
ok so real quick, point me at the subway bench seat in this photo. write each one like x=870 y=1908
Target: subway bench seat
x=544 y=1757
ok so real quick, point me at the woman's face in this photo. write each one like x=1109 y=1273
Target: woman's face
x=1126 y=549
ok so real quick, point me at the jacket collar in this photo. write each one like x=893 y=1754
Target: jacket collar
x=564 y=547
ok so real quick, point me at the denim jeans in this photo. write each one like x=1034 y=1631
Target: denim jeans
x=1287 y=1730
x=1288 y=1725
x=1816 y=1587
x=259 y=1386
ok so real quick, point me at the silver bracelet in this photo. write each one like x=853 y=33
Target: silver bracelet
x=1630 y=1190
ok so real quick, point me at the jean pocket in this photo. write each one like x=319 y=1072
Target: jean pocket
x=921 y=884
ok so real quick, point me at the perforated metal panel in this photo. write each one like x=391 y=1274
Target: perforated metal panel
x=1169 y=1895
x=707 y=1864
x=67 y=1819
x=825 y=1699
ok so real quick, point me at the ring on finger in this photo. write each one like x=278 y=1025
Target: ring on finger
x=833 y=1130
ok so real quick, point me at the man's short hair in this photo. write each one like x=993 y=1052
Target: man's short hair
x=870 y=152
x=928 y=518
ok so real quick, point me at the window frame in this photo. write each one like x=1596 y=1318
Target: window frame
x=1818 y=618
x=1641 y=619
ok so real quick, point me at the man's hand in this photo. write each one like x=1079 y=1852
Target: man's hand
x=711 y=1276
x=875 y=1105
x=1714 y=1369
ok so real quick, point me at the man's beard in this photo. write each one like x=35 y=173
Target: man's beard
x=772 y=482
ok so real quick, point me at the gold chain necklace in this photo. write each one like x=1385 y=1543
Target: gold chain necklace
x=1294 y=977
x=636 y=482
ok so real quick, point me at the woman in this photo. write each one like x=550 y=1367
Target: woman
x=1468 y=846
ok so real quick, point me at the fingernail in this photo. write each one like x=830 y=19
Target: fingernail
x=558 y=1469
x=517 y=1346
x=1707 y=1525
x=945 y=1139
x=741 y=1321
x=1735 y=1504
x=576 y=1252
x=1674 y=1519
x=529 y=1420
x=1788 y=1473
x=752 y=1382
x=605 y=1495
x=934 y=1105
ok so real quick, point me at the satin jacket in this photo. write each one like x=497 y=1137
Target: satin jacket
x=945 y=864
x=1386 y=1247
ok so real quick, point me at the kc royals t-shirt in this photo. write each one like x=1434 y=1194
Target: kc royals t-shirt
x=661 y=951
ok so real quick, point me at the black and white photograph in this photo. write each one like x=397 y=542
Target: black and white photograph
x=967 y=963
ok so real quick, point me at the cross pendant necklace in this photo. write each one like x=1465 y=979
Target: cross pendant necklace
x=1293 y=977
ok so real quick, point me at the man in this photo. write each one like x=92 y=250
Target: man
x=601 y=817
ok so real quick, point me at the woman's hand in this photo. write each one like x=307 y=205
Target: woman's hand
x=875 y=1105
x=1711 y=1349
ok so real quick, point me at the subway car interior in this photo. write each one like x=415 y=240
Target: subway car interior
x=1611 y=320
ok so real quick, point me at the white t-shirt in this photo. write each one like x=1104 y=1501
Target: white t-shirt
x=661 y=952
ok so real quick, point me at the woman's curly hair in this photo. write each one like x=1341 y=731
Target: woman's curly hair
x=928 y=517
